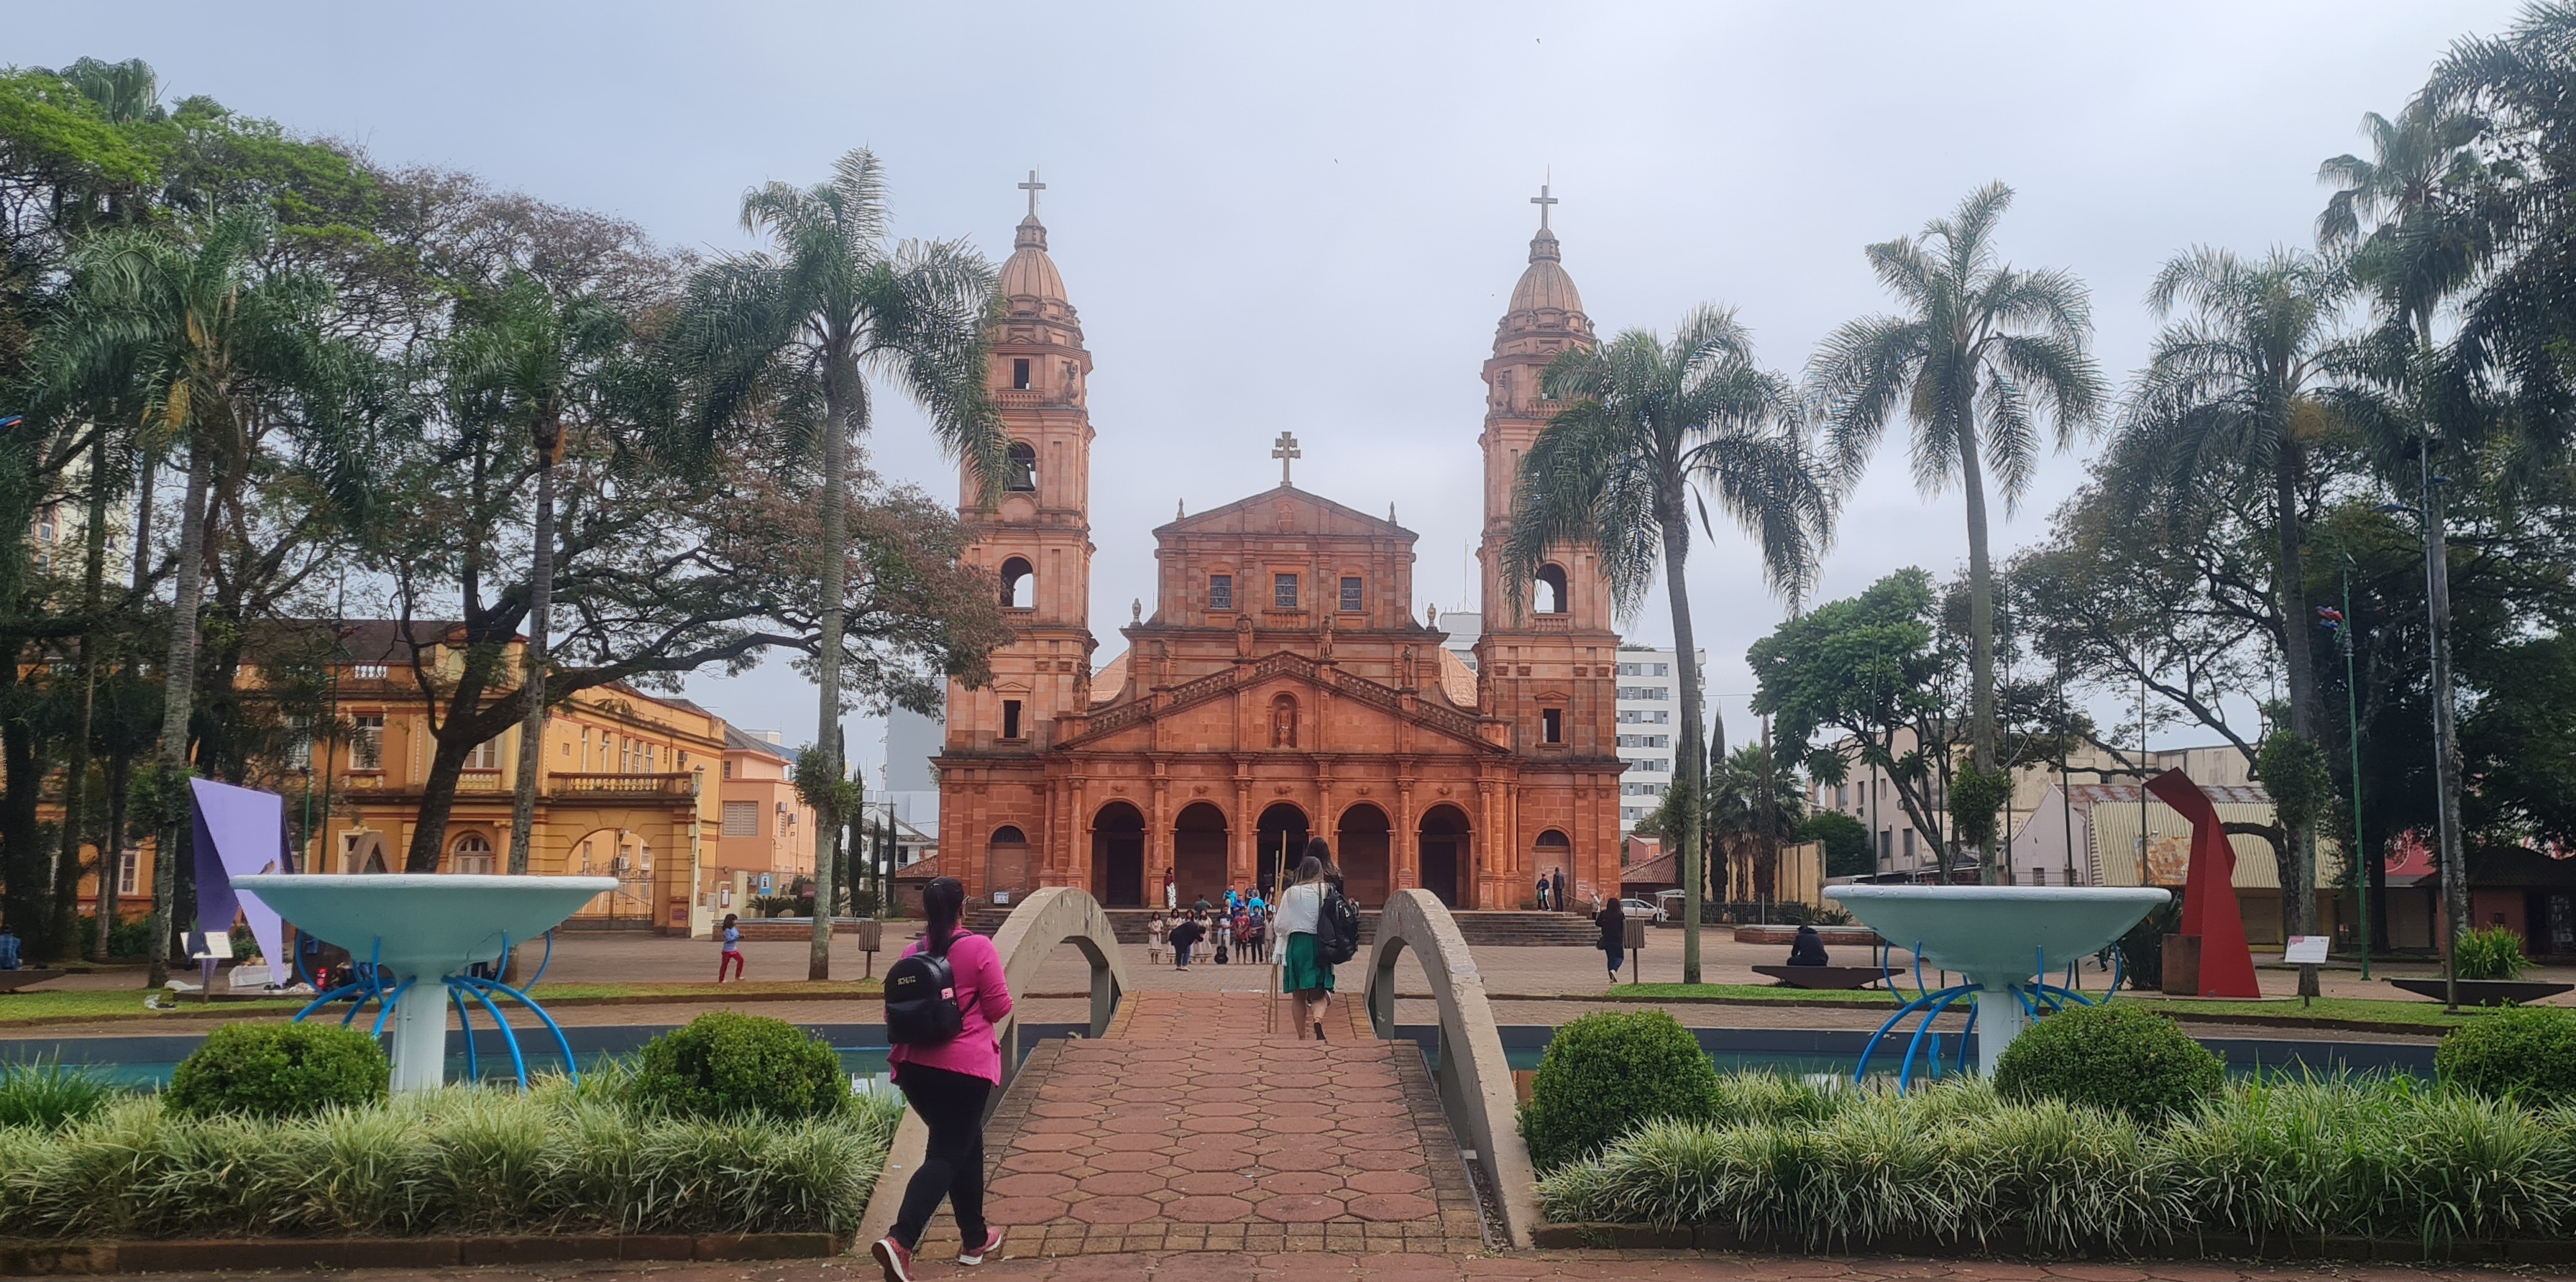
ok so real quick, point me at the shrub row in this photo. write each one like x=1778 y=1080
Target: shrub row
x=1957 y=1163
x=555 y=1159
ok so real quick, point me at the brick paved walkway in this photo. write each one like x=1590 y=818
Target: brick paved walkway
x=1190 y=1128
x=1583 y=1266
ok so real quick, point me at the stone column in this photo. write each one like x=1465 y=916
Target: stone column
x=1242 y=850
x=1074 y=868
x=1158 y=841
x=1489 y=823
x=1404 y=854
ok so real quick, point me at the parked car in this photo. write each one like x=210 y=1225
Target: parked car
x=1640 y=908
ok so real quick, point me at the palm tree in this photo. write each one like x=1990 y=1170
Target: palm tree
x=2235 y=397
x=1645 y=421
x=1983 y=357
x=2392 y=207
x=207 y=326
x=536 y=358
x=788 y=336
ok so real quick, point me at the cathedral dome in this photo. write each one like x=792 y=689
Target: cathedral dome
x=1544 y=286
x=1029 y=273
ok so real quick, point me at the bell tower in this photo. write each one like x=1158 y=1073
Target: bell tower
x=1546 y=665
x=1037 y=540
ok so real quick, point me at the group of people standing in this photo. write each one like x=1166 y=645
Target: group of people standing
x=1551 y=892
x=1233 y=931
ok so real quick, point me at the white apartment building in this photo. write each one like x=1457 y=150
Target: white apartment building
x=1649 y=719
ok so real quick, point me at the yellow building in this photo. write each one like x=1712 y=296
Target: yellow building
x=630 y=785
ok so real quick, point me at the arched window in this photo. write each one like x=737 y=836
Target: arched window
x=1019 y=584
x=1551 y=589
x=472 y=853
x=1553 y=840
x=1021 y=477
x=1283 y=721
x=1007 y=835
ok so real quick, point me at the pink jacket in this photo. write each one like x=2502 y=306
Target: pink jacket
x=986 y=998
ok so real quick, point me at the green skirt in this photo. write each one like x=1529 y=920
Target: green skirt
x=1305 y=972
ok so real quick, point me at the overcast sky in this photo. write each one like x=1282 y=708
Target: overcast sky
x=1308 y=217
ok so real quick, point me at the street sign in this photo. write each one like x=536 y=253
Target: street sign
x=2306 y=950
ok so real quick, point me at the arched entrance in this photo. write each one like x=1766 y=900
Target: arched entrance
x=1444 y=854
x=1198 y=852
x=1283 y=831
x=1118 y=856
x=1548 y=859
x=1363 y=848
x=1006 y=860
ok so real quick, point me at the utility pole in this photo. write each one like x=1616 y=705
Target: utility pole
x=2362 y=855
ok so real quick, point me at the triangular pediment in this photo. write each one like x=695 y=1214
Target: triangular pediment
x=1306 y=513
x=1425 y=713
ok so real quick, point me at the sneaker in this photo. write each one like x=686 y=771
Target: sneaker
x=896 y=1258
x=975 y=1255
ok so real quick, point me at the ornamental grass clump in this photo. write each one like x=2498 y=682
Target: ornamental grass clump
x=462 y=1160
x=279 y=1070
x=2527 y=1053
x=1605 y=1074
x=2115 y=1057
x=2492 y=953
x=49 y=1095
x=1960 y=1164
x=724 y=1064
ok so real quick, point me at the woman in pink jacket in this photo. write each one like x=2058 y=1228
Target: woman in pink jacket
x=949 y=1084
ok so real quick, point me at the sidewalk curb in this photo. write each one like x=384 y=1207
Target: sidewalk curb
x=1722 y=1237
x=35 y=1258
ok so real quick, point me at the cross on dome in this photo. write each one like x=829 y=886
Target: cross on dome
x=1033 y=187
x=1285 y=449
x=1542 y=200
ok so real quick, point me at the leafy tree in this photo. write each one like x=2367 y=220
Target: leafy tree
x=783 y=339
x=2238 y=396
x=1982 y=360
x=1868 y=669
x=1645 y=421
x=1845 y=839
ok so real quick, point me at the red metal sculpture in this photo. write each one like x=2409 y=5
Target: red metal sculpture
x=2209 y=908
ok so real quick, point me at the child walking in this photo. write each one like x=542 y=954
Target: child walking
x=732 y=954
x=1155 y=933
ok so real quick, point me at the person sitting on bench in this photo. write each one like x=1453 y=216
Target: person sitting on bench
x=1808 y=949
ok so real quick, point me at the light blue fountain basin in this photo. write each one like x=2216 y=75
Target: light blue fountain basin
x=1999 y=937
x=420 y=929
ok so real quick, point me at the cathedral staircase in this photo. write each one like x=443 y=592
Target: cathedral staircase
x=1479 y=929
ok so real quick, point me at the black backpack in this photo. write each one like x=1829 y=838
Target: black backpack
x=1337 y=929
x=921 y=1007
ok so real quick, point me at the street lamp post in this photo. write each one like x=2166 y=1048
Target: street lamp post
x=2446 y=748
x=2362 y=854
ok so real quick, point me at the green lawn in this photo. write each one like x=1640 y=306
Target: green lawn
x=52 y=1006
x=2394 y=1016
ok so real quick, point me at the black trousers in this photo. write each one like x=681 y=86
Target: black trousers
x=952 y=1106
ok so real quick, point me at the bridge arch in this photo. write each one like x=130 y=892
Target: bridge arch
x=1475 y=1080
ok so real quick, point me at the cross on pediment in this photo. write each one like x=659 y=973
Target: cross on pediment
x=1033 y=187
x=1285 y=449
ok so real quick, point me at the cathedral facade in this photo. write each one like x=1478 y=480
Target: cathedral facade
x=1283 y=684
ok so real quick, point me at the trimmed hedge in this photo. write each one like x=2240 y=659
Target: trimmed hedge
x=725 y=1064
x=2112 y=1056
x=2525 y=1053
x=279 y=1070
x=1605 y=1073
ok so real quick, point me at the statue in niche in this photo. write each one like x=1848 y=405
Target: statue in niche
x=1243 y=633
x=1407 y=681
x=1283 y=722
x=1162 y=664
x=1325 y=646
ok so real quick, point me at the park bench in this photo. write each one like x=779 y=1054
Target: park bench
x=1822 y=976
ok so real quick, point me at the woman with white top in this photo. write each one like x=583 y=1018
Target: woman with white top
x=1302 y=969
